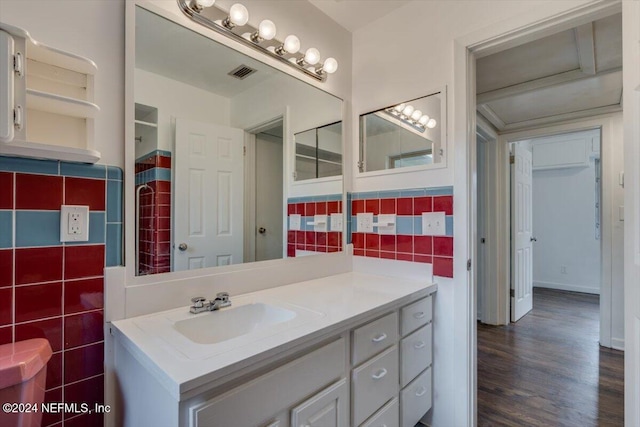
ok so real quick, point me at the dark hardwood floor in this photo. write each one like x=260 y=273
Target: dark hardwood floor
x=548 y=369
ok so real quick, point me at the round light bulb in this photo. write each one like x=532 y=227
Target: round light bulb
x=312 y=56
x=431 y=123
x=238 y=15
x=330 y=65
x=423 y=120
x=291 y=44
x=408 y=110
x=205 y=3
x=399 y=108
x=416 y=115
x=267 y=29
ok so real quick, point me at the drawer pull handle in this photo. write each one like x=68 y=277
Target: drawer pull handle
x=379 y=338
x=419 y=345
x=381 y=373
x=419 y=315
x=421 y=391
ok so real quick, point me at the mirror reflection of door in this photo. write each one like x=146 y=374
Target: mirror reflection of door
x=269 y=184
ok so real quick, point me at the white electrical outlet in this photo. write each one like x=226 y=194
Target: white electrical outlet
x=319 y=223
x=74 y=223
x=364 y=223
x=294 y=222
x=386 y=224
x=336 y=222
x=433 y=224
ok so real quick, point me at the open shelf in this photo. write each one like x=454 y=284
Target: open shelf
x=59 y=104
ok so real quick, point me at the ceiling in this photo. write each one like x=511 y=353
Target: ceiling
x=355 y=14
x=572 y=74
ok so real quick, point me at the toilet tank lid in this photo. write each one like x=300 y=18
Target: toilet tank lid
x=22 y=360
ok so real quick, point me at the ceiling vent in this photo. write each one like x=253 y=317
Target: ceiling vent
x=242 y=72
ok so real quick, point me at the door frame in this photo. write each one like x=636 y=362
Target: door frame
x=521 y=29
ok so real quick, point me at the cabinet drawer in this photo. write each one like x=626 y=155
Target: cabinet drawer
x=374 y=337
x=270 y=393
x=374 y=383
x=415 y=354
x=388 y=416
x=415 y=399
x=415 y=315
x=329 y=408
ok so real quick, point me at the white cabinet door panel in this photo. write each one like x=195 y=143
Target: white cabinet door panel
x=329 y=408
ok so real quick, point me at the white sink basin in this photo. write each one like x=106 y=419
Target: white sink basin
x=207 y=334
x=232 y=322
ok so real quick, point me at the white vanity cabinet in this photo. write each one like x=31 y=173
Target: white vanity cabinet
x=369 y=370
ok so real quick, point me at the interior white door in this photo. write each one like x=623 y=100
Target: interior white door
x=208 y=188
x=521 y=232
x=269 y=206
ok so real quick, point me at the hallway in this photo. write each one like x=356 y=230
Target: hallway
x=547 y=369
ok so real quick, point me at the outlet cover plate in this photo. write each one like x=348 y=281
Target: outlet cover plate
x=336 y=222
x=389 y=221
x=364 y=223
x=320 y=223
x=294 y=222
x=433 y=224
x=74 y=223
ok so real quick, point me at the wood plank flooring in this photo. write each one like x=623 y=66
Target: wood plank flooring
x=548 y=369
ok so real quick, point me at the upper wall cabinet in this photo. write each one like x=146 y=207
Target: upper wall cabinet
x=46 y=100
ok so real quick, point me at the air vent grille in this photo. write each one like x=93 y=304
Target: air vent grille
x=242 y=72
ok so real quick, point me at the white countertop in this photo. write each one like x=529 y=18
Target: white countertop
x=342 y=299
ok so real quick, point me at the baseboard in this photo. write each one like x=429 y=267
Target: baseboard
x=566 y=287
x=617 y=344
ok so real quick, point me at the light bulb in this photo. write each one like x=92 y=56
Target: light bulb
x=399 y=108
x=238 y=15
x=330 y=65
x=312 y=56
x=423 y=120
x=431 y=123
x=408 y=110
x=204 y=3
x=267 y=29
x=416 y=115
x=291 y=45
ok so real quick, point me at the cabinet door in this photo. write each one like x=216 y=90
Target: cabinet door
x=329 y=408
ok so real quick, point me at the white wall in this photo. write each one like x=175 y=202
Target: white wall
x=175 y=99
x=93 y=29
x=566 y=254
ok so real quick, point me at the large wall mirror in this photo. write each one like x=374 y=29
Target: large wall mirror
x=408 y=134
x=215 y=155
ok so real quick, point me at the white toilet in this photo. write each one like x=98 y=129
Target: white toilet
x=23 y=374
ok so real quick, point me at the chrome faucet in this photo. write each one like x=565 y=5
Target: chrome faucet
x=201 y=304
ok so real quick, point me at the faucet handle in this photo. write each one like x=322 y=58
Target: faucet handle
x=198 y=302
x=224 y=296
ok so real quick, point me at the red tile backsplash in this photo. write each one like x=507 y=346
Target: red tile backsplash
x=54 y=371
x=81 y=191
x=404 y=244
x=6 y=334
x=34 y=265
x=38 y=192
x=51 y=329
x=443 y=266
x=6 y=267
x=404 y=206
x=83 y=261
x=388 y=206
x=423 y=245
x=309 y=209
x=372 y=241
x=52 y=396
x=443 y=204
x=83 y=362
x=443 y=246
x=6 y=190
x=372 y=206
x=82 y=329
x=83 y=295
x=90 y=391
x=36 y=302
x=422 y=204
x=6 y=306
x=388 y=243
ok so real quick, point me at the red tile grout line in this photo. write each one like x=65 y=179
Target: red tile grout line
x=75 y=279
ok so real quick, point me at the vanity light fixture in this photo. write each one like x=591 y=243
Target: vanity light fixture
x=261 y=39
x=407 y=114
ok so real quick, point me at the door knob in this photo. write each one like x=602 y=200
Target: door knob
x=183 y=247
x=262 y=230
x=533 y=239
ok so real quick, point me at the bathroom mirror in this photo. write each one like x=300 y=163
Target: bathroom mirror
x=216 y=154
x=408 y=134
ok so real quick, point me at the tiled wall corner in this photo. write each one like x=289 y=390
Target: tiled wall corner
x=408 y=244
x=55 y=290
x=154 y=170
x=306 y=239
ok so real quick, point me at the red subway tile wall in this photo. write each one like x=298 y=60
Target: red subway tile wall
x=154 y=250
x=306 y=239
x=55 y=290
x=408 y=244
